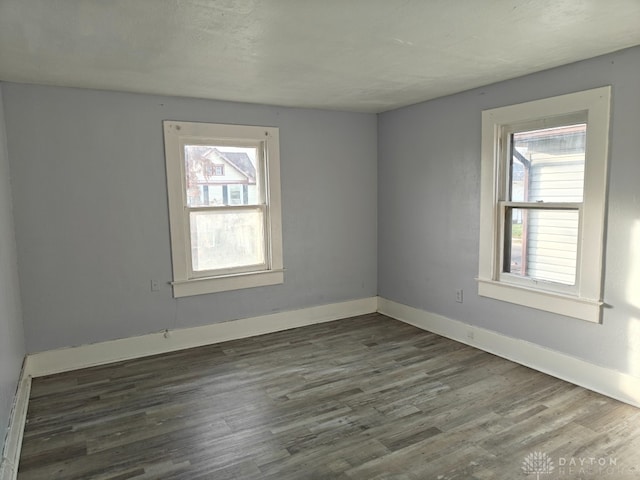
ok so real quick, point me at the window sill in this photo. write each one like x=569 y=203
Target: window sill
x=201 y=286
x=570 y=306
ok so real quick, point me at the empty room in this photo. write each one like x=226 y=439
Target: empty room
x=284 y=239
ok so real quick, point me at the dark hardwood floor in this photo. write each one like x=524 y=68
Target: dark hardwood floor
x=362 y=398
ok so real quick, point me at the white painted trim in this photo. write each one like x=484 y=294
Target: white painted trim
x=17 y=421
x=611 y=383
x=571 y=306
x=73 y=358
x=201 y=286
x=265 y=139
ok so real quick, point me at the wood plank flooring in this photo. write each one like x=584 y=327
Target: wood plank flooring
x=362 y=398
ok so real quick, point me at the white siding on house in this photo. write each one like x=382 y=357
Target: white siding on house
x=552 y=235
x=556 y=178
x=552 y=245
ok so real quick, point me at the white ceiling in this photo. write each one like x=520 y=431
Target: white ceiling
x=359 y=55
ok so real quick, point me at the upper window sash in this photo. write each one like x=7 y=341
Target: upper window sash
x=261 y=155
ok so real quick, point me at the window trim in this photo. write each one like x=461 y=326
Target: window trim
x=586 y=303
x=185 y=283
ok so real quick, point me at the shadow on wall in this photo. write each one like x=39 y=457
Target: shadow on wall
x=632 y=308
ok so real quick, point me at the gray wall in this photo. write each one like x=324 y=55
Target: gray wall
x=12 y=347
x=429 y=195
x=92 y=223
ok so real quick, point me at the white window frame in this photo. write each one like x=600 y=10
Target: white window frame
x=584 y=301
x=266 y=139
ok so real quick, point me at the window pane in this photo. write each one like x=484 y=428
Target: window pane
x=542 y=244
x=220 y=175
x=548 y=165
x=226 y=239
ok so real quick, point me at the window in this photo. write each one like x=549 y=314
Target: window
x=214 y=170
x=224 y=206
x=543 y=193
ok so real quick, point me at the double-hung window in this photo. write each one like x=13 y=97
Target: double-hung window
x=224 y=206
x=543 y=198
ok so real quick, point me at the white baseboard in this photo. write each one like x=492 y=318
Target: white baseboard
x=13 y=441
x=73 y=358
x=608 y=382
x=611 y=383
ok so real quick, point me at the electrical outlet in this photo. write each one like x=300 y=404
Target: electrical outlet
x=459 y=296
x=155 y=286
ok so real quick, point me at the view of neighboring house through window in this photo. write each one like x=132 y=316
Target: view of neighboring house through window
x=234 y=238
x=224 y=203
x=546 y=185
